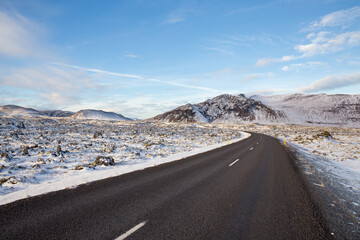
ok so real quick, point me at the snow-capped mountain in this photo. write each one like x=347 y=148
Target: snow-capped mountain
x=314 y=109
x=98 y=114
x=17 y=111
x=337 y=109
x=224 y=109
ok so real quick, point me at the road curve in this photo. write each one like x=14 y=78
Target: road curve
x=247 y=190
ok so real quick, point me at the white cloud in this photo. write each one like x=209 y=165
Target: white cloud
x=131 y=56
x=59 y=99
x=252 y=76
x=100 y=71
x=285 y=68
x=179 y=15
x=47 y=78
x=270 y=74
x=266 y=61
x=326 y=42
x=298 y=66
x=321 y=43
x=267 y=92
x=310 y=35
x=332 y=82
x=52 y=83
x=139 y=77
x=19 y=36
x=339 y=18
x=220 y=50
x=175 y=18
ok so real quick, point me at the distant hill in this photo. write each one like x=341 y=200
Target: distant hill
x=335 y=109
x=99 y=115
x=17 y=111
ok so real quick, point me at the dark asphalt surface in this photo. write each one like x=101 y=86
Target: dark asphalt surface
x=261 y=196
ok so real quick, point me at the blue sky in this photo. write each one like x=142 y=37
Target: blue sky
x=141 y=58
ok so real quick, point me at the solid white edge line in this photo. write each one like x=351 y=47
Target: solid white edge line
x=131 y=231
x=233 y=162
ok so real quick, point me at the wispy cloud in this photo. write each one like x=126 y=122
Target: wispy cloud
x=131 y=55
x=179 y=15
x=19 y=36
x=252 y=76
x=139 y=78
x=175 y=18
x=100 y=71
x=332 y=82
x=52 y=83
x=266 y=61
x=255 y=7
x=228 y=44
x=298 y=66
x=320 y=43
x=326 y=42
x=267 y=92
x=341 y=18
x=220 y=50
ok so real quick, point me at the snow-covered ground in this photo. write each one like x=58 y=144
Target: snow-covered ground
x=40 y=155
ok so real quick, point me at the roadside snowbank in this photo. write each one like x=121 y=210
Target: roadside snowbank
x=61 y=154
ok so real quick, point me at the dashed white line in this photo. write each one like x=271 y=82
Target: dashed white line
x=131 y=231
x=233 y=162
x=251 y=148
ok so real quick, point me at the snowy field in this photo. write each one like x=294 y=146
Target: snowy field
x=40 y=155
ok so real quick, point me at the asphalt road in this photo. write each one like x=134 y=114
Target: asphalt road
x=247 y=190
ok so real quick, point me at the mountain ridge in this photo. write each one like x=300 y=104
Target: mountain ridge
x=301 y=109
x=331 y=109
x=222 y=109
x=18 y=111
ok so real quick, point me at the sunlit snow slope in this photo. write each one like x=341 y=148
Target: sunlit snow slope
x=16 y=111
x=320 y=109
x=97 y=114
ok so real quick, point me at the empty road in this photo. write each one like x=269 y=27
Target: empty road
x=247 y=190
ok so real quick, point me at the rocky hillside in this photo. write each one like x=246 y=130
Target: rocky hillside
x=224 y=109
x=57 y=113
x=314 y=109
x=320 y=109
